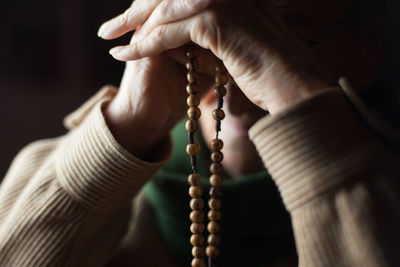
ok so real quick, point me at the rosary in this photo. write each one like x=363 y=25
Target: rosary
x=192 y=149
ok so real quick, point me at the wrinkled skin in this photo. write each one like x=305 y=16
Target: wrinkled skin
x=264 y=47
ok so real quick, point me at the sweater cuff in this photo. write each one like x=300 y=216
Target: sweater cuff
x=315 y=146
x=96 y=170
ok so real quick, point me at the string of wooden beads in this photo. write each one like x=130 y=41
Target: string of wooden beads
x=216 y=168
x=192 y=149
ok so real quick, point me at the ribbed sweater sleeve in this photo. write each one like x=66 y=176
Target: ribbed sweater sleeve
x=66 y=201
x=338 y=179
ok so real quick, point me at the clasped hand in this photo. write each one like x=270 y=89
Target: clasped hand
x=264 y=57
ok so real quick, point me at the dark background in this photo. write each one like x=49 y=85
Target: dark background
x=51 y=61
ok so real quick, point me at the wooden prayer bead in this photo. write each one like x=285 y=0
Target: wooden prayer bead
x=214 y=215
x=217 y=156
x=191 y=125
x=195 y=191
x=214 y=204
x=220 y=91
x=192 y=149
x=192 y=64
x=218 y=114
x=197 y=262
x=193 y=101
x=216 y=180
x=193 y=113
x=213 y=227
x=214 y=239
x=221 y=79
x=216 y=145
x=212 y=251
x=192 y=89
x=197 y=228
x=216 y=168
x=198 y=252
x=192 y=77
x=196 y=204
x=215 y=192
x=197 y=240
x=197 y=216
x=194 y=179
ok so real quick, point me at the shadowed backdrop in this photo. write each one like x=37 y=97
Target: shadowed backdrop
x=51 y=61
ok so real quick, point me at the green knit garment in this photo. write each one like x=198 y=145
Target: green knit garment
x=256 y=228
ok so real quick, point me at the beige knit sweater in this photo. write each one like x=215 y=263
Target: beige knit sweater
x=68 y=201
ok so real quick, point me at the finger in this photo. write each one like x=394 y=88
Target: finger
x=134 y=16
x=162 y=38
x=170 y=11
x=200 y=29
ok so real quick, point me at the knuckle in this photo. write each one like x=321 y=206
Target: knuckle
x=158 y=32
x=123 y=19
x=209 y=20
x=158 y=40
x=211 y=17
x=138 y=50
x=188 y=4
x=165 y=9
x=208 y=29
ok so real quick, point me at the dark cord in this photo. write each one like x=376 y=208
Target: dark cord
x=193 y=162
x=218 y=126
x=191 y=137
x=220 y=102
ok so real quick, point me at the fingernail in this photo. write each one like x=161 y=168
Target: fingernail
x=116 y=50
x=101 y=30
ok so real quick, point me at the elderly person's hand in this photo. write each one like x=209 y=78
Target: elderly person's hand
x=150 y=101
x=145 y=104
x=267 y=61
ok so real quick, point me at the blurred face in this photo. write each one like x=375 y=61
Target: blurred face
x=240 y=155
